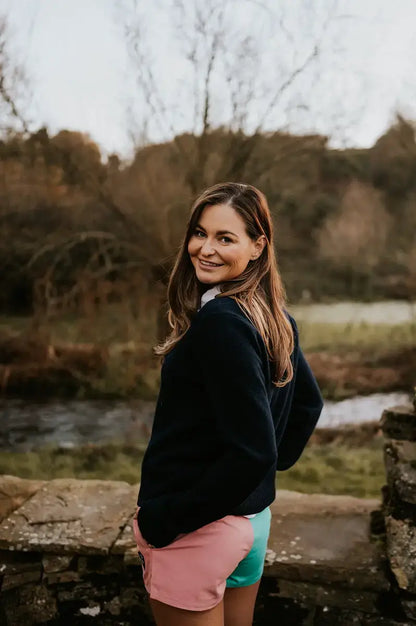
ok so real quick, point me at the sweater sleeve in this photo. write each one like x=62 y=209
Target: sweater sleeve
x=304 y=413
x=231 y=356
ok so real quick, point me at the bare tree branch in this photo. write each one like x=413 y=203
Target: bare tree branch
x=285 y=86
x=13 y=81
x=221 y=53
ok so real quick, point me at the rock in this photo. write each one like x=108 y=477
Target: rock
x=400 y=461
x=126 y=545
x=318 y=503
x=33 y=604
x=322 y=565
x=399 y=423
x=19 y=568
x=325 y=540
x=14 y=491
x=80 y=592
x=61 y=577
x=113 y=606
x=401 y=550
x=103 y=565
x=54 y=563
x=91 y=611
x=409 y=608
x=125 y=541
x=310 y=594
x=331 y=616
x=70 y=516
x=395 y=506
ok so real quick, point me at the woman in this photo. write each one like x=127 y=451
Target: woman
x=237 y=402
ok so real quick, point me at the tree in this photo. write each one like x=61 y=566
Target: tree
x=354 y=238
x=393 y=158
x=224 y=82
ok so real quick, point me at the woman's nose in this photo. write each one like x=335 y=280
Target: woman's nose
x=207 y=247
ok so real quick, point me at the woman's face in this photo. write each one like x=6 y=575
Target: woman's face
x=220 y=248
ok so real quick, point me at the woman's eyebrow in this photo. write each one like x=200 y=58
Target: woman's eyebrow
x=226 y=232
x=219 y=232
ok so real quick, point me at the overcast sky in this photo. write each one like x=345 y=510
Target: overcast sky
x=82 y=78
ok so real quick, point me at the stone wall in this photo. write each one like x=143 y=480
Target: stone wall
x=67 y=552
x=399 y=502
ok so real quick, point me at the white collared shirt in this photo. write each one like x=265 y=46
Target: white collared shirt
x=209 y=294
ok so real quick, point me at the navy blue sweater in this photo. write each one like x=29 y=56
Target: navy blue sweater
x=221 y=428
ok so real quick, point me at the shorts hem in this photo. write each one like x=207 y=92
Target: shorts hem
x=166 y=600
x=246 y=584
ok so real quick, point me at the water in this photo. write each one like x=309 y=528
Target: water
x=360 y=409
x=26 y=426
x=72 y=423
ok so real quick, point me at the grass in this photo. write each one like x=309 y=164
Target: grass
x=337 y=469
x=323 y=468
x=112 y=461
x=127 y=375
x=115 y=324
x=361 y=337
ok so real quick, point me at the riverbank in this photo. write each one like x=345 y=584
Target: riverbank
x=345 y=460
x=355 y=373
x=352 y=359
x=347 y=360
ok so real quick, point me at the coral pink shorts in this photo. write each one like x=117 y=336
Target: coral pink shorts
x=191 y=572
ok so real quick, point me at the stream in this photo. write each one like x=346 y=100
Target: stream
x=29 y=426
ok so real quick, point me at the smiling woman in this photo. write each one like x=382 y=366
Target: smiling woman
x=237 y=402
x=220 y=248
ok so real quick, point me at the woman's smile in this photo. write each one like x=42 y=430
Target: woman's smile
x=209 y=264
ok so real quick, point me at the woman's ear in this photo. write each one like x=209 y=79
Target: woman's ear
x=259 y=245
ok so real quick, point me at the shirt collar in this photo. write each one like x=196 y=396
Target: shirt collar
x=210 y=294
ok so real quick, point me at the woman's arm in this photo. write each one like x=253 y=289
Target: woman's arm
x=304 y=413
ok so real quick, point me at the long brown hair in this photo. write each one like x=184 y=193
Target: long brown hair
x=258 y=290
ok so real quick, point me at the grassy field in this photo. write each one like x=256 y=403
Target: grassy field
x=116 y=324
x=323 y=468
x=361 y=337
x=337 y=469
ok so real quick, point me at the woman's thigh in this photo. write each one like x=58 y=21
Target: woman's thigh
x=236 y=609
x=166 y=615
x=239 y=603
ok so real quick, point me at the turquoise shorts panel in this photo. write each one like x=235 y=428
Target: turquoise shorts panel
x=250 y=569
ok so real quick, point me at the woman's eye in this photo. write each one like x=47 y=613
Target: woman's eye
x=199 y=233
x=226 y=239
